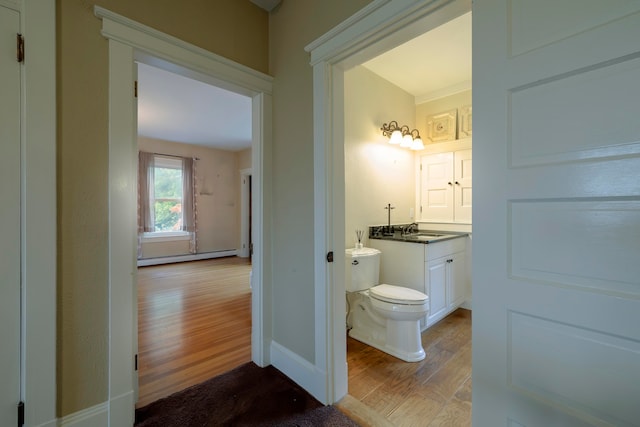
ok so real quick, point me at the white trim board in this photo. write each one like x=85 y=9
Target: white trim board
x=145 y=262
x=304 y=373
x=131 y=42
x=94 y=416
x=380 y=26
x=39 y=252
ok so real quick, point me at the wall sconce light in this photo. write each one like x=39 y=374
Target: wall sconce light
x=401 y=135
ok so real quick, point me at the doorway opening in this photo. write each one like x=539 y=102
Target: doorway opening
x=405 y=85
x=131 y=42
x=194 y=295
x=332 y=54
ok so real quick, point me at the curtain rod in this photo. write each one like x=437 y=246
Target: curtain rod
x=173 y=155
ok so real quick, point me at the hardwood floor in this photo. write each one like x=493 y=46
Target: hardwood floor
x=384 y=390
x=194 y=322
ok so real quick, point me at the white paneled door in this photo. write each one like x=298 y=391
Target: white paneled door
x=9 y=218
x=556 y=218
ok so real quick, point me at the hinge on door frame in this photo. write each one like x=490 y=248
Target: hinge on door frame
x=330 y=256
x=20 y=414
x=20 y=48
x=135 y=362
x=135 y=89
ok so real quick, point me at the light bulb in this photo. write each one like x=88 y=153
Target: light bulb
x=407 y=141
x=396 y=137
x=417 y=144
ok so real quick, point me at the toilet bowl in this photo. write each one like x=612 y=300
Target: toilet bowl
x=383 y=316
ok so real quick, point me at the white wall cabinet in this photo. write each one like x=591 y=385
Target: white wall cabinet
x=446 y=187
x=437 y=269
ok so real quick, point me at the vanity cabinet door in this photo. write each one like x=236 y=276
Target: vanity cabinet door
x=445 y=283
x=436 y=288
x=456 y=285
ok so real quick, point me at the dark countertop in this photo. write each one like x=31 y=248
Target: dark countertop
x=422 y=237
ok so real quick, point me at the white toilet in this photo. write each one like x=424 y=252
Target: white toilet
x=383 y=316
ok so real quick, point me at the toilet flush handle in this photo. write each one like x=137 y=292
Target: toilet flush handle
x=355 y=262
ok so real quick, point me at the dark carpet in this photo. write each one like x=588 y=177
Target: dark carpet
x=246 y=396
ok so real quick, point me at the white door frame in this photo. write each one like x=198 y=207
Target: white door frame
x=131 y=42
x=38 y=211
x=245 y=192
x=378 y=27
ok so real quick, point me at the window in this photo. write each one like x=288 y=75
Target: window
x=166 y=197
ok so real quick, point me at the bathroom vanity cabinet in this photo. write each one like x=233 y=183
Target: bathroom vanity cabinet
x=437 y=269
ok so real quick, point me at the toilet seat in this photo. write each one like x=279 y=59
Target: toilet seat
x=398 y=295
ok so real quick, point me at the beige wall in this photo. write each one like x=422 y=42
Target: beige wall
x=234 y=29
x=292 y=26
x=217 y=193
x=376 y=172
x=244 y=159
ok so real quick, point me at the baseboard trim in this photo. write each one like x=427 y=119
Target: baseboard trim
x=300 y=370
x=183 y=258
x=94 y=416
x=52 y=423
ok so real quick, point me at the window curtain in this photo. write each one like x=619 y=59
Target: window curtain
x=189 y=211
x=146 y=163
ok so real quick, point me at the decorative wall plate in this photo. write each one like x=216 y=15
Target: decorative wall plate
x=442 y=126
x=465 y=123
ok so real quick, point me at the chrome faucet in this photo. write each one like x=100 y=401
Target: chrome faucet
x=411 y=228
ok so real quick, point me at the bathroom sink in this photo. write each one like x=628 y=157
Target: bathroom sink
x=423 y=236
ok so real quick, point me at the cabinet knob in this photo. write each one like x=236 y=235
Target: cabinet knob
x=449 y=183
x=457 y=183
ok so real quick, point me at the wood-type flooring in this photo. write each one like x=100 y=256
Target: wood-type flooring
x=194 y=322
x=436 y=391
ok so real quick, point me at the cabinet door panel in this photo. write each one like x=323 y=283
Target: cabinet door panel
x=463 y=184
x=436 y=280
x=437 y=187
x=457 y=281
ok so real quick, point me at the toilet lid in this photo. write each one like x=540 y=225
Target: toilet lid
x=397 y=294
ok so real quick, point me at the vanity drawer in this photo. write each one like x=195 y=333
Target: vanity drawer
x=447 y=247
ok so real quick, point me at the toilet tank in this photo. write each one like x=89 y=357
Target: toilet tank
x=362 y=269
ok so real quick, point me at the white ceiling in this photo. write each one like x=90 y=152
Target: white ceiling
x=176 y=108
x=433 y=65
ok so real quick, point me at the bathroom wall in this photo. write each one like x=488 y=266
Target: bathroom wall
x=376 y=172
x=218 y=198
